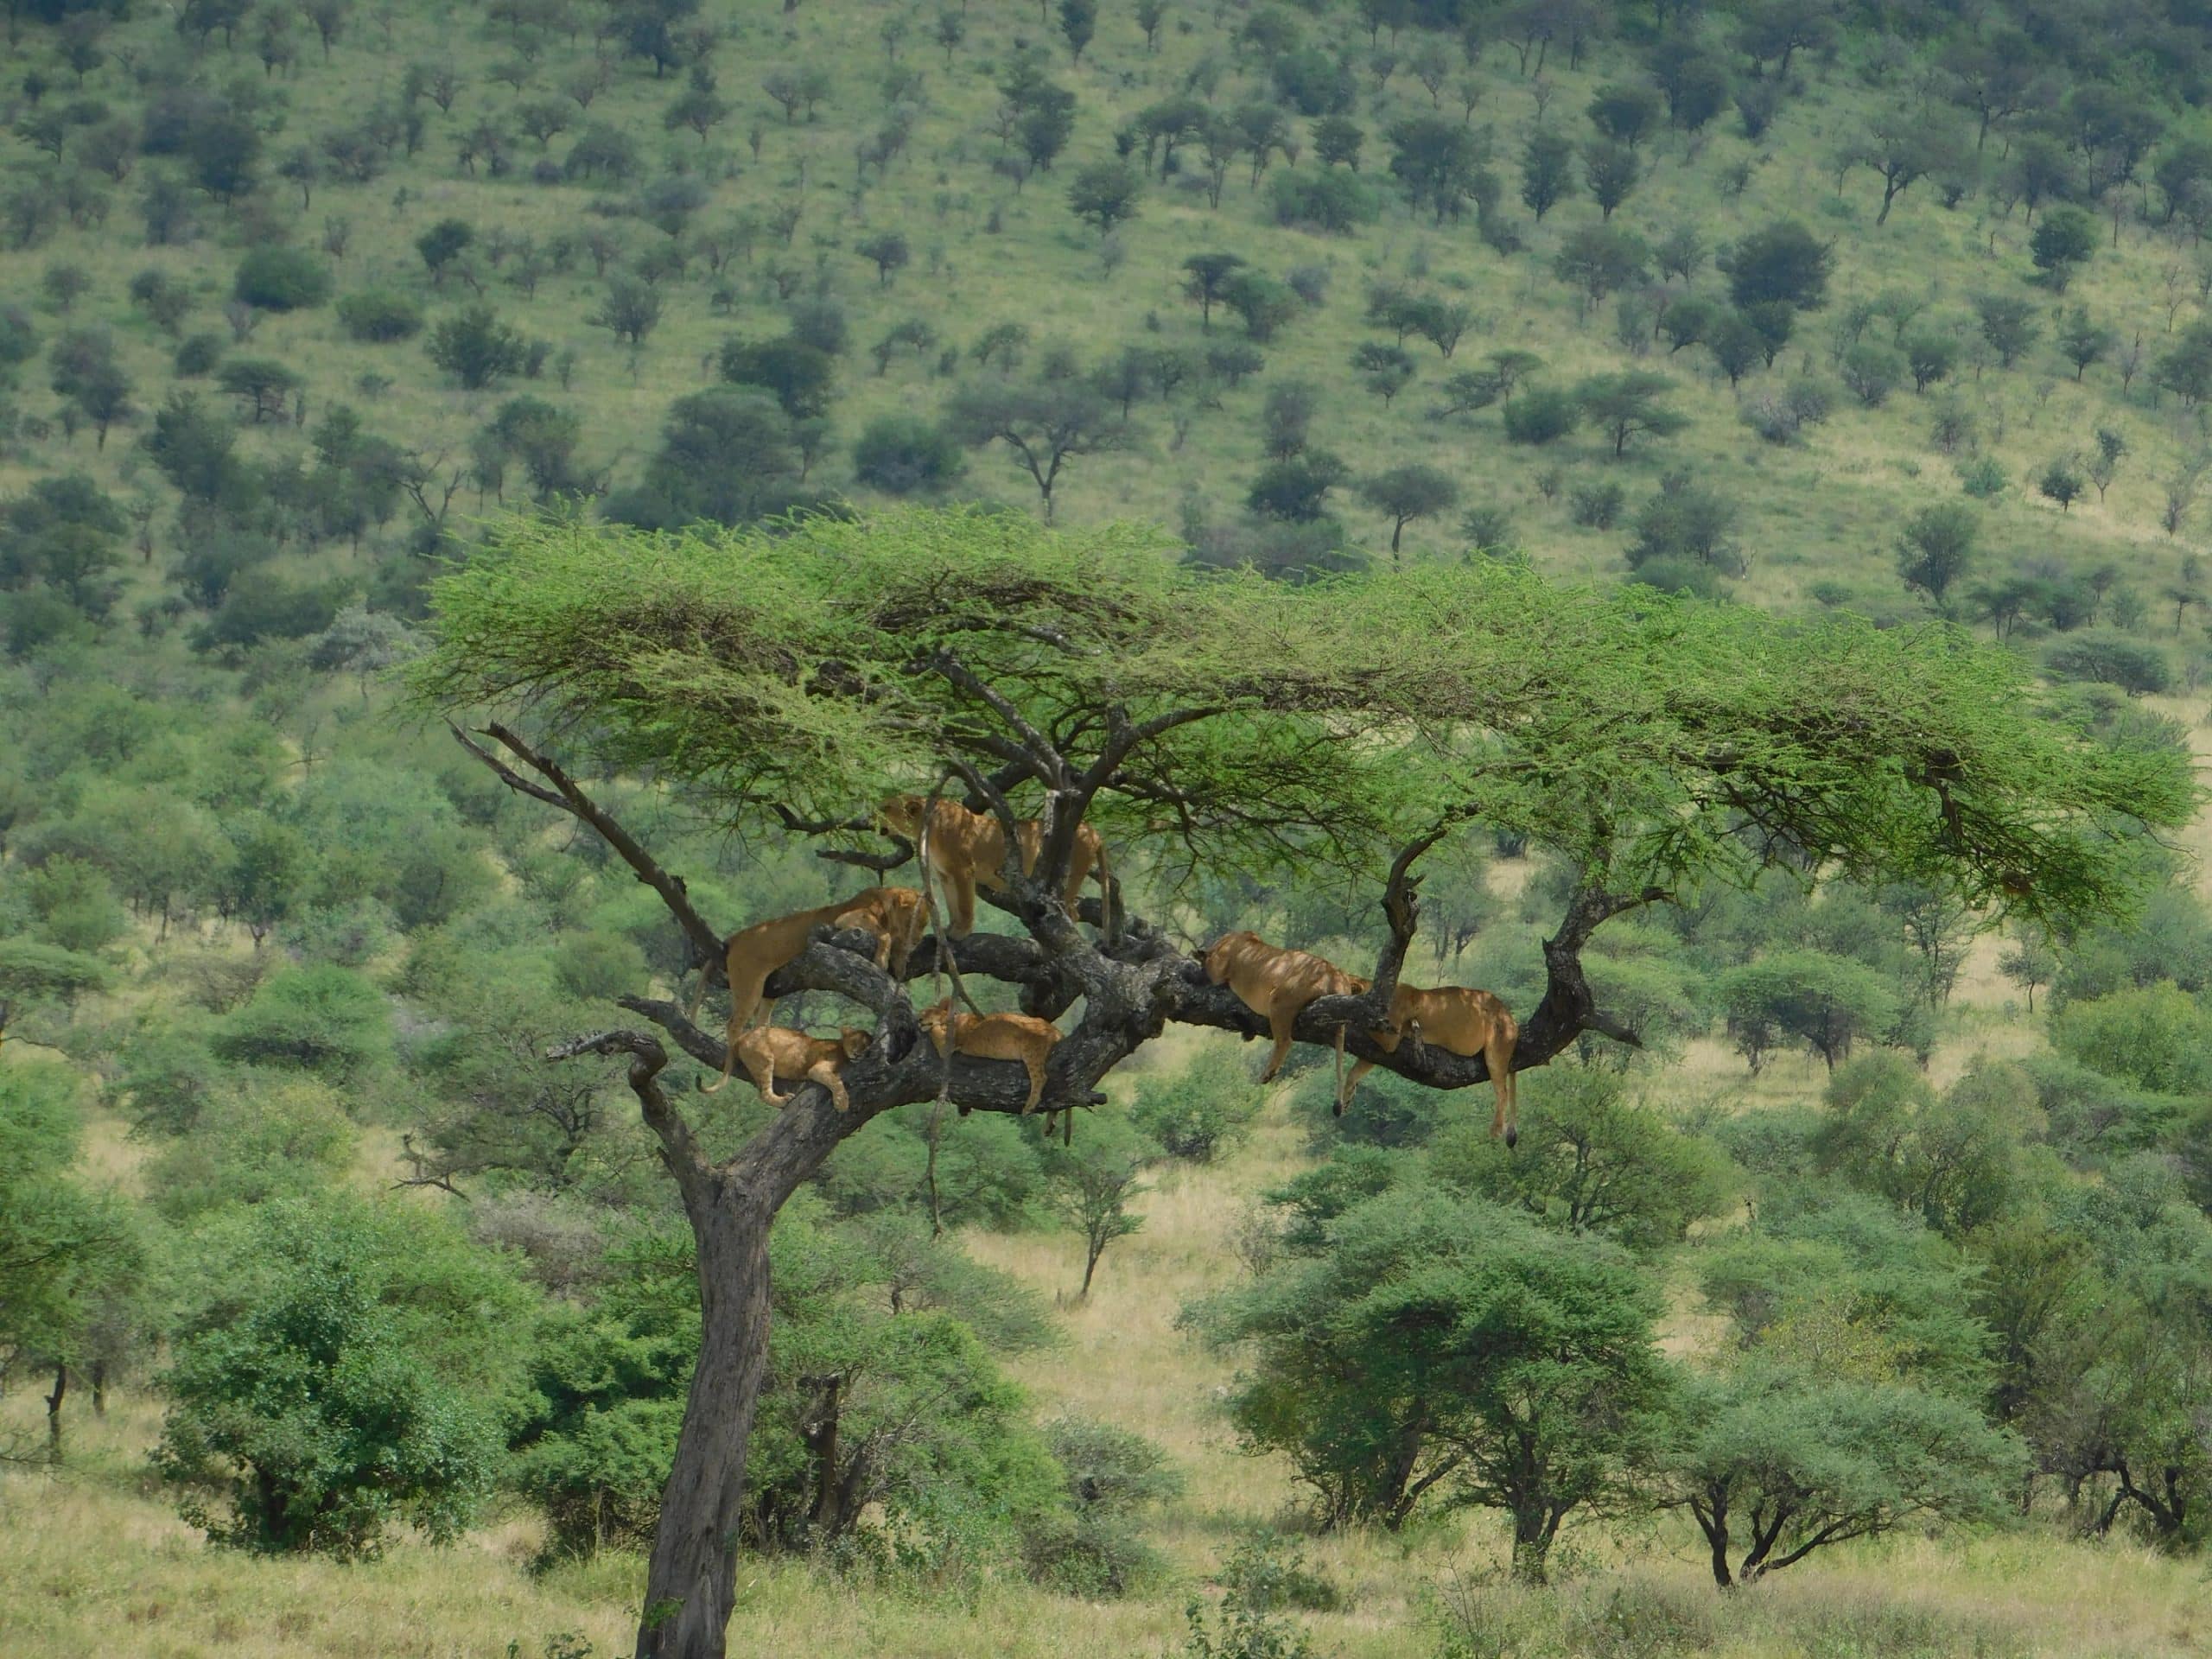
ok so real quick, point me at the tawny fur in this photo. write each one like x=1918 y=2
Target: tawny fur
x=768 y=1052
x=894 y=915
x=1277 y=984
x=1459 y=1019
x=967 y=850
x=996 y=1037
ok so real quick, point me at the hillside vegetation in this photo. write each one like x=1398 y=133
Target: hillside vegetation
x=335 y=1317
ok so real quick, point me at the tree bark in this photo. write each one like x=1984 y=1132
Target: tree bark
x=691 y=1581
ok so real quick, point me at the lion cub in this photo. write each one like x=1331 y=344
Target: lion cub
x=771 y=1051
x=995 y=1037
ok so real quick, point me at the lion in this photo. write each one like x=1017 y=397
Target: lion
x=967 y=850
x=893 y=915
x=1459 y=1019
x=995 y=1037
x=1277 y=984
x=771 y=1052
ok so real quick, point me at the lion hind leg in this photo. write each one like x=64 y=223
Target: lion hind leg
x=1504 y=1123
x=1280 y=1018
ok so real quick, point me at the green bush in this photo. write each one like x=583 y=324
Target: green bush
x=1542 y=415
x=1329 y=199
x=278 y=277
x=379 y=316
x=904 y=455
x=1201 y=1110
x=337 y=1376
x=321 y=1017
x=1112 y=1478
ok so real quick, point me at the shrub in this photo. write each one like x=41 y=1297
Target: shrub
x=320 y=1019
x=1873 y=371
x=276 y=277
x=1542 y=415
x=1596 y=506
x=1332 y=200
x=379 y=316
x=1112 y=1477
x=904 y=455
x=331 y=1382
x=1200 y=1111
x=198 y=354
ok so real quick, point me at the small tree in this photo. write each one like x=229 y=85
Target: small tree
x=1091 y=1187
x=329 y=1384
x=1612 y=171
x=1625 y=114
x=476 y=348
x=2029 y=963
x=1938 y=548
x=1930 y=355
x=888 y=253
x=1783 y=262
x=1206 y=279
x=1776 y=1466
x=2104 y=466
x=1405 y=493
x=1386 y=371
x=1871 y=369
x=1547 y=171
x=1452 y=1352
x=265 y=386
x=2062 y=244
x=631 y=310
x=1902 y=146
x=2008 y=323
x=904 y=455
x=1078 y=23
x=1263 y=304
x=2084 y=342
x=1105 y=194
x=1627 y=406
x=2061 y=482
x=1829 y=1003
x=1045 y=425
x=443 y=244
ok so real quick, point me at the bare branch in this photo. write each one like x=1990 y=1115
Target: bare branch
x=567 y=794
x=678 y=1150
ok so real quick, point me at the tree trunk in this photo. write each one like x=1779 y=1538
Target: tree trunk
x=1532 y=1542
x=691 y=1583
x=54 y=1409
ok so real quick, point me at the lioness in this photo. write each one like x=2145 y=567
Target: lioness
x=1459 y=1019
x=967 y=850
x=1277 y=984
x=995 y=1037
x=894 y=915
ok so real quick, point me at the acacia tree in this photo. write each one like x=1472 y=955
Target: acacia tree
x=1208 y=721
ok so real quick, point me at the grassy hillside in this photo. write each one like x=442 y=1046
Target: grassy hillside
x=984 y=251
